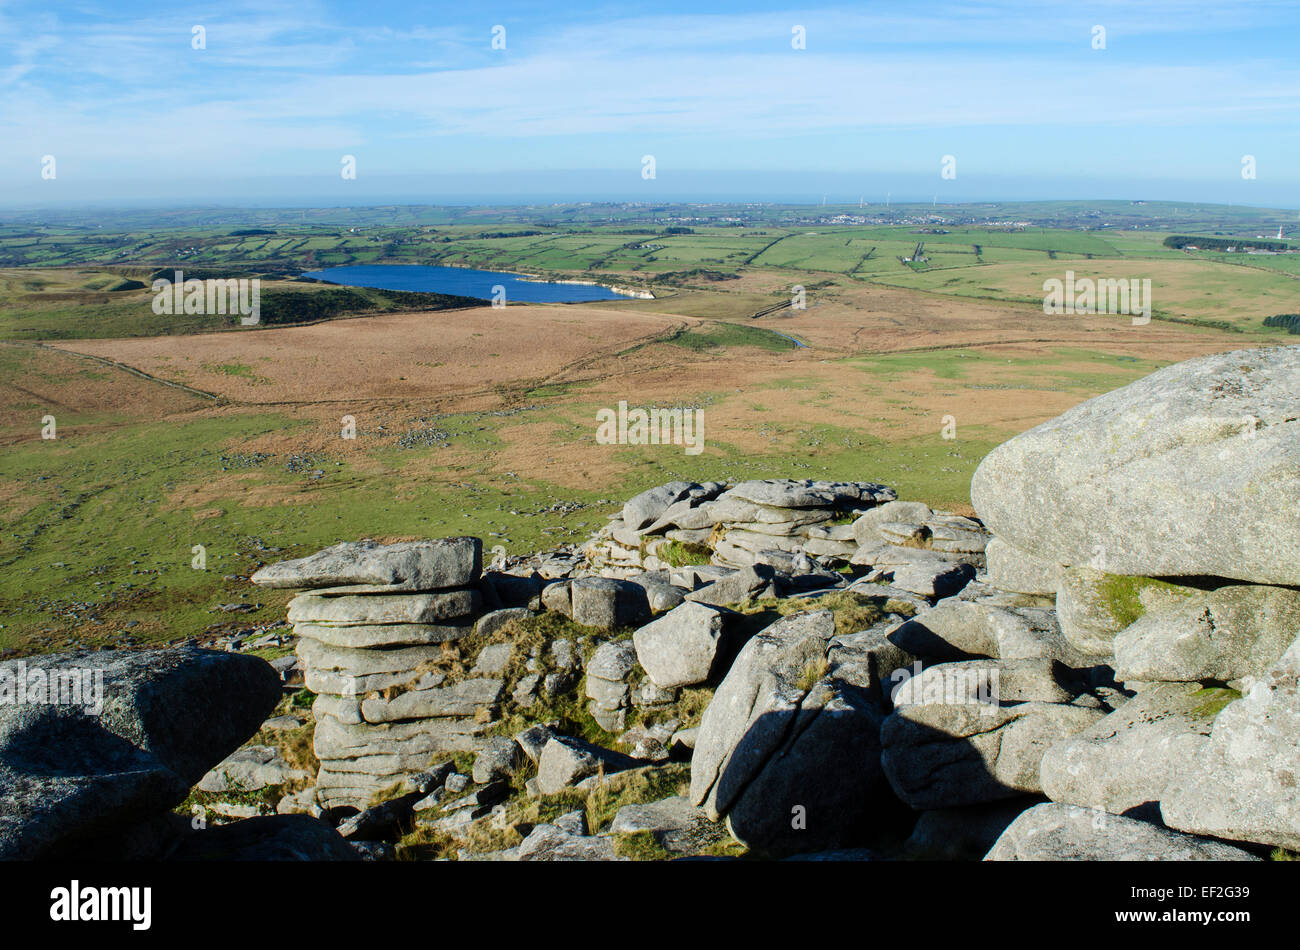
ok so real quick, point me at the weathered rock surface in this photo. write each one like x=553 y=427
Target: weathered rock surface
x=367 y=609
x=681 y=647
x=1092 y=607
x=1191 y=471
x=676 y=825
x=792 y=493
x=565 y=761
x=1244 y=783
x=463 y=698
x=405 y=566
x=498 y=760
x=1019 y=571
x=251 y=768
x=643 y=509
x=1219 y=635
x=1123 y=762
x=781 y=741
x=933 y=574
x=363 y=636
x=1054 y=832
x=345 y=661
x=960 y=628
x=607 y=603
x=70 y=772
x=551 y=843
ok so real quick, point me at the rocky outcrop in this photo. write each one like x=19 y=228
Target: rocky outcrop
x=789 y=754
x=372 y=634
x=99 y=743
x=778 y=537
x=1190 y=471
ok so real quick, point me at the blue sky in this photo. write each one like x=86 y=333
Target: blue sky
x=1013 y=91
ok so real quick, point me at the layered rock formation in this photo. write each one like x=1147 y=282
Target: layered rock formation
x=805 y=668
x=372 y=624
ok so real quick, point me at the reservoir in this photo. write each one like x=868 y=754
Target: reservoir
x=462 y=281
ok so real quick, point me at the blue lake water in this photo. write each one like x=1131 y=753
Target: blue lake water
x=462 y=281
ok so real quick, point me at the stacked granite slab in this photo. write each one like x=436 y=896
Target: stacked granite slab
x=373 y=624
x=634 y=540
x=788 y=524
x=909 y=545
x=770 y=521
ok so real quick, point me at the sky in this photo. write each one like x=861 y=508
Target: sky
x=112 y=103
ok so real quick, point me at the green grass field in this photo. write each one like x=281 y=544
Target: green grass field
x=100 y=524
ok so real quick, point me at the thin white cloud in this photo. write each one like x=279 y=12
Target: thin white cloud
x=281 y=87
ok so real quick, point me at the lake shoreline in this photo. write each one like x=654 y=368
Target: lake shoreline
x=621 y=292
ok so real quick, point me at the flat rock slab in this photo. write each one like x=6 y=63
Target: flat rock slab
x=806 y=493
x=464 y=698
x=734 y=510
x=1191 y=471
x=1123 y=762
x=1220 y=635
x=369 y=609
x=405 y=566
x=350 y=686
x=339 y=740
x=1055 y=832
x=366 y=636
x=319 y=656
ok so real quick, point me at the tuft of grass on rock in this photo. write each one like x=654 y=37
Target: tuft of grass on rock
x=1122 y=595
x=685 y=554
x=1212 y=700
x=640 y=846
x=853 y=610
